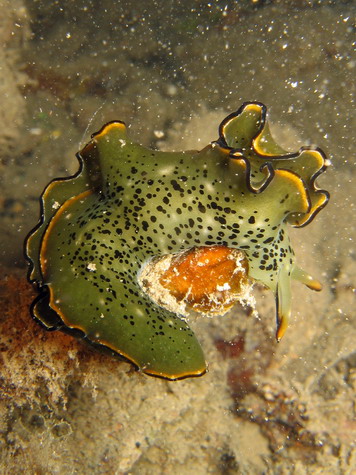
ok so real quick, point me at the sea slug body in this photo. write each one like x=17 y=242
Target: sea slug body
x=137 y=239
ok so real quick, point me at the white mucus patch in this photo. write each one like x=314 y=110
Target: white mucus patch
x=225 y=286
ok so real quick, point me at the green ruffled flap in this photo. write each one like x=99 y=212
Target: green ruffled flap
x=246 y=133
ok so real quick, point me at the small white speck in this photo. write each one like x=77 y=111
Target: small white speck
x=102 y=315
x=172 y=90
x=71 y=354
x=56 y=205
x=91 y=266
x=225 y=286
x=159 y=134
x=123 y=142
x=166 y=170
x=36 y=131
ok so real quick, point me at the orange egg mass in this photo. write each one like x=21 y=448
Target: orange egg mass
x=208 y=279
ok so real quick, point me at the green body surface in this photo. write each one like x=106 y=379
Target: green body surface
x=128 y=204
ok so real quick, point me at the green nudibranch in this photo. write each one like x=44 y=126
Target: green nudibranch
x=128 y=207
